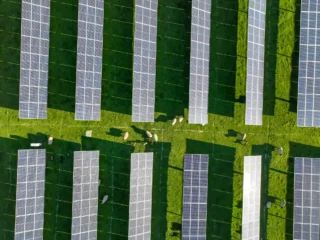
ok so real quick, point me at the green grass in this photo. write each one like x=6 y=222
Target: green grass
x=226 y=115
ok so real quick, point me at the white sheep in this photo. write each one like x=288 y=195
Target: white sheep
x=149 y=134
x=280 y=150
x=105 y=198
x=243 y=136
x=174 y=121
x=155 y=137
x=50 y=140
x=126 y=135
x=180 y=118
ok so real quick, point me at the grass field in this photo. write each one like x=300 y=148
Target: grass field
x=226 y=117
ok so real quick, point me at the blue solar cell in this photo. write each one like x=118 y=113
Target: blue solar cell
x=199 y=61
x=309 y=65
x=30 y=194
x=34 y=59
x=255 y=62
x=144 y=66
x=195 y=185
x=306 y=198
x=89 y=59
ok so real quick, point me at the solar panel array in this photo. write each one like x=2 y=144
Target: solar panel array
x=30 y=194
x=306 y=198
x=89 y=59
x=195 y=191
x=199 y=61
x=309 y=65
x=251 y=198
x=255 y=62
x=85 y=195
x=140 y=196
x=144 y=66
x=35 y=21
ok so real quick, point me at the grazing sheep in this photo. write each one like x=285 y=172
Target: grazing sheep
x=50 y=140
x=180 y=118
x=243 y=136
x=105 y=198
x=145 y=143
x=280 y=150
x=149 y=134
x=126 y=135
x=174 y=121
x=155 y=137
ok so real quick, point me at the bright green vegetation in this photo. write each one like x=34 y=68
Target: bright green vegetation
x=227 y=88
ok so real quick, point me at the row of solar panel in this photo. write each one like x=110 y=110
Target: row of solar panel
x=29 y=219
x=309 y=65
x=31 y=188
x=35 y=22
x=195 y=190
x=35 y=49
x=306 y=198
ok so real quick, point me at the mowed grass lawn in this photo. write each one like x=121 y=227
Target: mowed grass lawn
x=218 y=138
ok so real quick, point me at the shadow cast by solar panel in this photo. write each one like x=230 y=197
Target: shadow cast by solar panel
x=295 y=60
x=173 y=57
x=265 y=150
x=271 y=37
x=295 y=150
x=10 y=13
x=117 y=56
x=223 y=55
x=62 y=56
x=220 y=186
x=115 y=182
x=59 y=183
x=161 y=152
x=58 y=189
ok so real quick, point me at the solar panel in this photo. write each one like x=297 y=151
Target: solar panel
x=251 y=197
x=255 y=62
x=309 y=65
x=195 y=191
x=89 y=59
x=199 y=61
x=140 y=196
x=35 y=28
x=30 y=194
x=306 y=198
x=85 y=195
x=144 y=66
